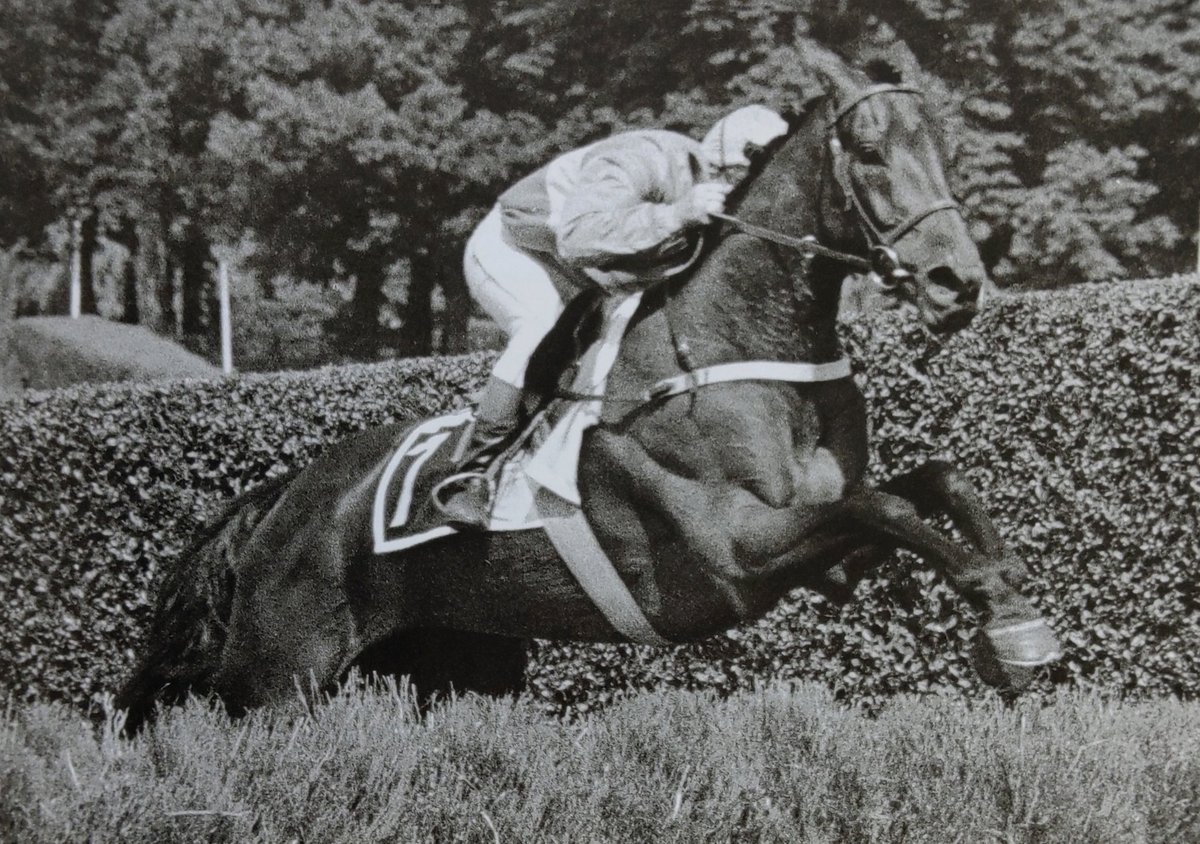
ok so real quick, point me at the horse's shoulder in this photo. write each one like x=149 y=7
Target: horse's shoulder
x=738 y=247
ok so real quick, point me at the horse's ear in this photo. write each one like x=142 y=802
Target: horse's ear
x=831 y=70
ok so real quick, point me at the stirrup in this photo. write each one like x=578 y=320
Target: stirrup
x=462 y=483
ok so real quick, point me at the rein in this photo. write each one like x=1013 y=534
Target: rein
x=806 y=245
x=884 y=267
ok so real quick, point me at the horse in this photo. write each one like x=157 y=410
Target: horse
x=711 y=501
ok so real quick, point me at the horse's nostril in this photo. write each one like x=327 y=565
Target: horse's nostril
x=971 y=288
x=960 y=291
x=945 y=277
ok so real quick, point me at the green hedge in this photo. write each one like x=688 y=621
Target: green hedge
x=100 y=486
x=1076 y=413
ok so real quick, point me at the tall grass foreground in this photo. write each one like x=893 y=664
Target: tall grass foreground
x=772 y=764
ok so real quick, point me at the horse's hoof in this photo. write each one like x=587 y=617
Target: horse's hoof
x=1024 y=644
x=1009 y=656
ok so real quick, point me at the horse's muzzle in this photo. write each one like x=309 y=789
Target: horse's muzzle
x=947 y=302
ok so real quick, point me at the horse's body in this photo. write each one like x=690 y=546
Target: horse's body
x=711 y=504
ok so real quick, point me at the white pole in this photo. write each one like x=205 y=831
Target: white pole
x=177 y=298
x=226 y=317
x=76 y=303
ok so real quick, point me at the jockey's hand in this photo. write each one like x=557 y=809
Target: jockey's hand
x=701 y=201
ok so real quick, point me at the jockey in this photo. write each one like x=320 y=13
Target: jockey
x=610 y=213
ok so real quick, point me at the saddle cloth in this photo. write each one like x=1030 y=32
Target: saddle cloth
x=404 y=515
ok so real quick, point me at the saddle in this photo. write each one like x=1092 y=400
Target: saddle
x=578 y=353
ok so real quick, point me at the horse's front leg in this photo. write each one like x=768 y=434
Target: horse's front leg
x=937 y=486
x=987 y=577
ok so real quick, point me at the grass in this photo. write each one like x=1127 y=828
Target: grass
x=772 y=765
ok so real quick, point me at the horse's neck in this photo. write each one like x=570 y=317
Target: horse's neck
x=751 y=300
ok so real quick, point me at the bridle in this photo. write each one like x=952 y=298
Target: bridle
x=884 y=263
x=876 y=235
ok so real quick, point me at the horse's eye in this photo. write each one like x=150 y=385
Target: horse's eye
x=871 y=155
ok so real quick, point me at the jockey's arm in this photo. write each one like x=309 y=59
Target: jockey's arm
x=630 y=205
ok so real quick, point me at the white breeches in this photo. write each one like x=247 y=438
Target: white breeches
x=515 y=290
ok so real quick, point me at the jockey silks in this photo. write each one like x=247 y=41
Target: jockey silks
x=609 y=206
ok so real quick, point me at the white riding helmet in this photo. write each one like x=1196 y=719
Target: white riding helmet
x=727 y=141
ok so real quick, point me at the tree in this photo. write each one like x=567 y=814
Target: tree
x=354 y=152
x=1075 y=115
x=168 y=78
x=359 y=140
x=49 y=56
x=1113 y=90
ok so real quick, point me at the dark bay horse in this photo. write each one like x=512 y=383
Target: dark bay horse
x=712 y=504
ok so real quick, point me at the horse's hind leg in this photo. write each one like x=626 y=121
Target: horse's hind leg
x=441 y=662
x=283 y=641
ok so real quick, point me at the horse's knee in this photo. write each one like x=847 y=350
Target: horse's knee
x=894 y=508
x=820 y=479
x=951 y=480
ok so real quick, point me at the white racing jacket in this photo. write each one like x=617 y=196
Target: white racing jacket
x=608 y=206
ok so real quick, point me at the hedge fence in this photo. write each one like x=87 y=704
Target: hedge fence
x=1075 y=412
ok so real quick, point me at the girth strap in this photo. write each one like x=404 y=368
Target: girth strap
x=569 y=532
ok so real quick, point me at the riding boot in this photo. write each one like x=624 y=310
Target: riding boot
x=465 y=497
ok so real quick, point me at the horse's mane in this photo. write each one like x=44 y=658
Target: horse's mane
x=876 y=69
x=796 y=117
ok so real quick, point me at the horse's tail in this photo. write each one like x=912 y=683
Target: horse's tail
x=187 y=632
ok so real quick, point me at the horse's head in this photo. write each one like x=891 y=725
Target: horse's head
x=889 y=187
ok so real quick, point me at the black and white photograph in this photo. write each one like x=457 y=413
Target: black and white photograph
x=579 y=421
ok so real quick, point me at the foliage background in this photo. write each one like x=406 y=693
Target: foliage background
x=1075 y=412
x=340 y=152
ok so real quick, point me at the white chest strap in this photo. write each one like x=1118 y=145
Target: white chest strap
x=750 y=370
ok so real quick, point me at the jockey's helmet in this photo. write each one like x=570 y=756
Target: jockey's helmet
x=729 y=142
